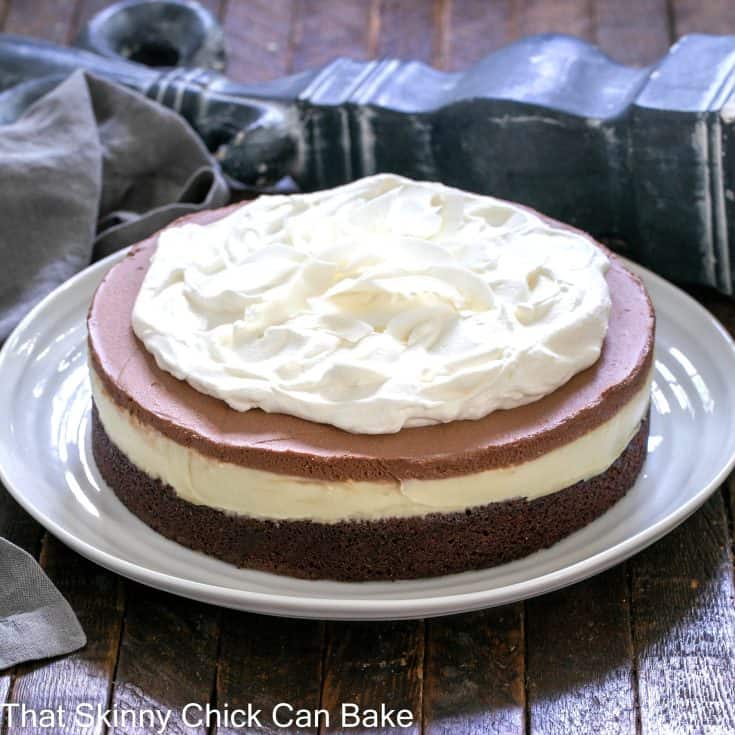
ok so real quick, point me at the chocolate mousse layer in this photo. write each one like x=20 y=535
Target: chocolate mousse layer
x=394 y=548
x=293 y=446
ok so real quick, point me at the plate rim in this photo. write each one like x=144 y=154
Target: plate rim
x=350 y=607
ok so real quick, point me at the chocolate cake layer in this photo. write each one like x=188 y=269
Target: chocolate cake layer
x=293 y=446
x=396 y=548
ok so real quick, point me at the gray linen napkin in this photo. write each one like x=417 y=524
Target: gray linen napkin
x=35 y=620
x=87 y=168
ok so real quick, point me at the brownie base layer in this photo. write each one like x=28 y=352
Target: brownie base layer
x=387 y=549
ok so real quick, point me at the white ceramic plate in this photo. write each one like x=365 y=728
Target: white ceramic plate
x=46 y=463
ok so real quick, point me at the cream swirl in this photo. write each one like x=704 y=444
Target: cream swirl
x=382 y=304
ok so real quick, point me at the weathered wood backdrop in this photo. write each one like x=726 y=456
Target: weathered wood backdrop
x=647 y=647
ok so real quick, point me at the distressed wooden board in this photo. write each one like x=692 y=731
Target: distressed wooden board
x=352 y=28
x=49 y=19
x=562 y=16
x=579 y=674
x=83 y=677
x=684 y=628
x=695 y=16
x=168 y=655
x=474 y=673
x=370 y=664
x=268 y=661
x=258 y=37
x=6 y=682
x=633 y=31
x=477 y=28
x=17 y=526
x=396 y=16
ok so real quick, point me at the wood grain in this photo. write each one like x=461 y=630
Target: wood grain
x=6 y=683
x=474 y=673
x=370 y=664
x=574 y=17
x=630 y=31
x=52 y=20
x=326 y=29
x=695 y=16
x=633 y=31
x=17 y=526
x=85 y=676
x=407 y=30
x=4 y=8
x=579 y=671
x=267 y=661
x=258 y=37
x=168 y=655
x=476 y=29
x=684 y=627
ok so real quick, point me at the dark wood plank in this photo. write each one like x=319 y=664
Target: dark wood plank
x=49 y=19
x=268 y=661
x=630 y=31
x=84 y=677
x=168 y=656
x=6 y=683
x=633 y=31
x=442 y=33
x=258 y=35
x=562 y=16
x=579 y=664
x=17 y=526
x=723 y=307
x=4 y=8
x=369 y=664
x=407 y=30
x=684 y=627
x=695 y=16
x=474 y=674
x=476 y=29
x=326 y=29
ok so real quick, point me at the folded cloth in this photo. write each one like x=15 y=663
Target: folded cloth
x=35 y=620
x=87 y=168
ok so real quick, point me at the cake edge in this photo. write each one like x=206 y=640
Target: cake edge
x=370 y=550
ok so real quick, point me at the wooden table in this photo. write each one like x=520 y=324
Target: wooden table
x=648 y=646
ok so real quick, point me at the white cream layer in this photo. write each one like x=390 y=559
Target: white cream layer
x=377 y=305
x=203 y=480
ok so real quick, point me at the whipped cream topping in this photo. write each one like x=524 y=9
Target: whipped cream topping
x=383 y=304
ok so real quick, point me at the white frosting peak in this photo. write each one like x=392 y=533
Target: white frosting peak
x=374 y=306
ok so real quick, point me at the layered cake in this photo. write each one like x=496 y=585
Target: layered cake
x=390 y=379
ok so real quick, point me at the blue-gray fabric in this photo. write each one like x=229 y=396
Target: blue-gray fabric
x=35 y=620
x=86 y=169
